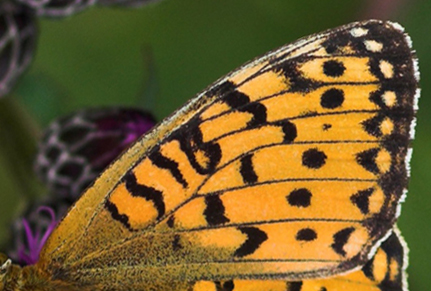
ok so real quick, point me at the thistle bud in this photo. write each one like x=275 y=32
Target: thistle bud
x=75 y=149
x=18 y=34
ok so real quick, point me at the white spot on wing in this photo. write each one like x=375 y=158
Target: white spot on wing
x=358 y=31
x=386 y=68
x=389 y=98
x=373 y=46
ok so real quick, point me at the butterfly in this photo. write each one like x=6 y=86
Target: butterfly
x=286 y=174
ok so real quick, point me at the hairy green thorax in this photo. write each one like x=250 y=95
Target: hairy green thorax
x=29 y=278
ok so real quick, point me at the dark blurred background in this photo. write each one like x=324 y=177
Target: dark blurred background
x=161 y=55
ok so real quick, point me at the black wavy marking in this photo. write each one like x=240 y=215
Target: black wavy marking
x=165 y=163
x=255 y=237
x=124 y=219
x=190 y=140
x=241 y=102
x=149 y=193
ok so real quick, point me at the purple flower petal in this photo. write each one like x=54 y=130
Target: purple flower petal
x=35 y=239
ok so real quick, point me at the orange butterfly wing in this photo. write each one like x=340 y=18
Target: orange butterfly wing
x=384 y=272
x=291 y=167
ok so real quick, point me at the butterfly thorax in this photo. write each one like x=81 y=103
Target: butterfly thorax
x=16 y=278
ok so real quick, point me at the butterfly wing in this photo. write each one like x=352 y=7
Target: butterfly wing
x=291 y=167
x=384 y=272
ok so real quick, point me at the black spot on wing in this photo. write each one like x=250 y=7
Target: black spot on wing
x=294 y=286
x=228 y=285
x=171 y=221
x=165 y=163
x=289 y=129
x=299 y=197
x=326 y=126
x=255 y=237
x=362 y=200
x=340 y=240
x=372 y=125
x=124 y=219
x=246 y=170
x=149 y=193
x=214 y=211
x=332 y=98
x=224 y=286
x=333 y=68
x=367 y=159
x=314 y=158
x=306 y=235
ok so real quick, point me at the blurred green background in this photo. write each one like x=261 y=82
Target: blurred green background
x=105 y=56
